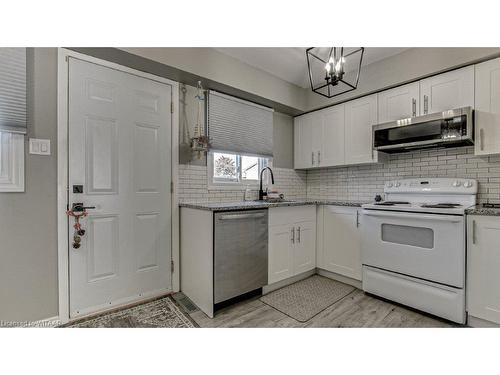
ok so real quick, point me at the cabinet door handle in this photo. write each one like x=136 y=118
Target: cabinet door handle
x=298 y=234
x=481 y=139
x=414 y=107
x=474 y=232
x=292 y=235
x=426 y=104
x=312 y=158
x=319 y=157
x=357 y=219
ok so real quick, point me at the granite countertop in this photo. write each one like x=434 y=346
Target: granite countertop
x=249 y=205
x=484 y=211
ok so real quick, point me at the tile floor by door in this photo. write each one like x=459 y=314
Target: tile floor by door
x=355 y=310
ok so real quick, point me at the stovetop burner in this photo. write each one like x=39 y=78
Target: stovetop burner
x=390 y=203
x=442 y=205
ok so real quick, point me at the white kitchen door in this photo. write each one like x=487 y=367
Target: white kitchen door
x=120 y=156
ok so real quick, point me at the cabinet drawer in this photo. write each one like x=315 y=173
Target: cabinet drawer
x=292 y=214
x=342 y=209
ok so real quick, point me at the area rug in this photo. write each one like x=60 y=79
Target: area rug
x=307 y=298
x=160 y=313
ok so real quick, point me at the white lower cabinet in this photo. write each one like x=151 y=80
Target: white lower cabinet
x=304 y=251
x=483 y=265
x=292 y=241
x=339 y=240
x=280 y=253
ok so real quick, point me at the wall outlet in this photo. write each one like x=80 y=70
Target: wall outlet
x=39 y=146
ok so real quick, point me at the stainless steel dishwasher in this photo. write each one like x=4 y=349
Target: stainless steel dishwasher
x=240 y=253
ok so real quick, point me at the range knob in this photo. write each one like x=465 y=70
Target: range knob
x=397 y=184
x=457 y=183
x=468 y=184
x=389 y=184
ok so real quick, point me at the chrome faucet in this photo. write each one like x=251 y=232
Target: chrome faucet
x=262 y=193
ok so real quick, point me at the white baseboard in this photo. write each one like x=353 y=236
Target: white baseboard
x=474 y=322
x=343 y=279
x=291 y=280
x=305 y=275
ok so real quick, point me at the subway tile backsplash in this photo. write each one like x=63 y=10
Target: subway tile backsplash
x=359 y=183
x=362 y=183
x=193 y=185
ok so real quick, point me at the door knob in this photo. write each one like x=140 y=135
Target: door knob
x=79 y=207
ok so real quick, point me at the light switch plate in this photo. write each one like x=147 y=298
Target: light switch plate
x=39 y=146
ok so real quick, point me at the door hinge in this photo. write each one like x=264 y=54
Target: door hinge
x=172 y=266
x=171 y=187
x=171 y=107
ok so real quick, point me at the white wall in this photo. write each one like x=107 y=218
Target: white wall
x=211 y=64
x=28 y=220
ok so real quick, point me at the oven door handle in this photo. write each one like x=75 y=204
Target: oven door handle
x=448 y=218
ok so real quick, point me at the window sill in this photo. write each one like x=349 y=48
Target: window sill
x=234 y=187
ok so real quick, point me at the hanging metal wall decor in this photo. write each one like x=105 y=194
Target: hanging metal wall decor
x=200 y=142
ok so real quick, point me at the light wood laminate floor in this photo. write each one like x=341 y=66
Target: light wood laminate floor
x=355 y=310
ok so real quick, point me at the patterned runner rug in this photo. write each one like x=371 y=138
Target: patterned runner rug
x=160 y=313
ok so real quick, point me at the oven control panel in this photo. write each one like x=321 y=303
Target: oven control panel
x=432 y=185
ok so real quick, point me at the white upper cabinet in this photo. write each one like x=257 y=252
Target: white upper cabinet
x=319 y=138
x=332 y=137
x=487 y=124
x=316 y=130
x=399 y=103
x=447 y=91
x=342 y=134
x=360 y=116
x=307 y=140
x=303 y=141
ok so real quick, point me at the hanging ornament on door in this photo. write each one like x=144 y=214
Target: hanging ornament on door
x=200 y=142
x=78 y=212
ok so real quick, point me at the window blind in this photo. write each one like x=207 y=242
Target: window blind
x=13 y=90
x=239 y=126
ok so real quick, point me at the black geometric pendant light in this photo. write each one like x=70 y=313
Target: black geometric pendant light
x=334 y=70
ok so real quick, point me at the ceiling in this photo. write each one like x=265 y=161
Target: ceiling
x=290 y=63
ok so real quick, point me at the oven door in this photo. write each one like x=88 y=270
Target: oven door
x=426 y=246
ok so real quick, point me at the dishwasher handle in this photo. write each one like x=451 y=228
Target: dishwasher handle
x=241 y=216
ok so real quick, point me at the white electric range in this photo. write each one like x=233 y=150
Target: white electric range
x=413 y=244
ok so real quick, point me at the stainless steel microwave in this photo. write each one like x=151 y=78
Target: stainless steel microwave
x=448 y=128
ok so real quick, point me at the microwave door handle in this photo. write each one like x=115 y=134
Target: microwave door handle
x=417 y=216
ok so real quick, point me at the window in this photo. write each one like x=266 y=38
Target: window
x=232 y=170
x=11 y=162
x=13 y=122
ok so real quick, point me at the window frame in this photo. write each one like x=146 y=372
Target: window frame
x=11 y=162
x=240 y=184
